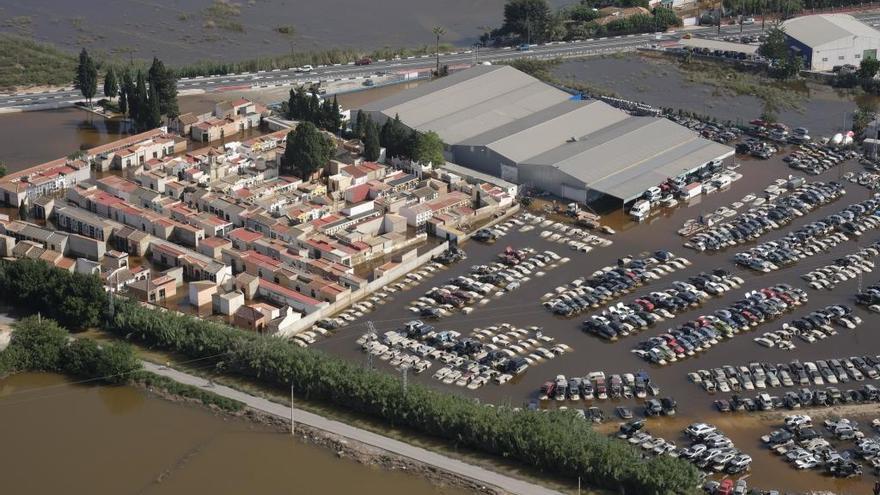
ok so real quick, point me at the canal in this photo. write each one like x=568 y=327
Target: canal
x=73 y=438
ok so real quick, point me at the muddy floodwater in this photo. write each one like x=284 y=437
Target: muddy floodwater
x=661 y=82
x=64 y=438
x=30 y=138
x=183 y=31
x=522 y=308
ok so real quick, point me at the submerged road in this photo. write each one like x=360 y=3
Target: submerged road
x=402 y=66
x=475 y=473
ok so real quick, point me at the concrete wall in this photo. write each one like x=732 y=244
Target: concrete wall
x=408 y=265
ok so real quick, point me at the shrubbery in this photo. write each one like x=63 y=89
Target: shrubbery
x=39 y=344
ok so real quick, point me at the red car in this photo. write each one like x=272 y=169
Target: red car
x=364 y=61
x=725 y=488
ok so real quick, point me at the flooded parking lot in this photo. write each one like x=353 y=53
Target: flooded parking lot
x=522 y=308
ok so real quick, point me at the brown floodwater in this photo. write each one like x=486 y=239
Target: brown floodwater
x=78 y=439
x=30 y=138
x=522 y=308
x=184 y=31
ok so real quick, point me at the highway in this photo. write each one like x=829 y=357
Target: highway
x=289 y=77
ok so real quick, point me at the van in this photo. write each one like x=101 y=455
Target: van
x=692 y=190
x=640 y=209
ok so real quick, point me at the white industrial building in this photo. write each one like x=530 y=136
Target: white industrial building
x=503 y=122
x=829 y=40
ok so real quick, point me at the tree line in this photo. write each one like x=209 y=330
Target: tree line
x=557 y=442
x=40 y=344
x=398 y=141
x=784 y=64
x=144 y=97
x=534 y=21
x=303 y=106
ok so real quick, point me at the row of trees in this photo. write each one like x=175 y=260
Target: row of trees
x=144 y=97
x=536 y=22
x=307 y=107
x=557 y=442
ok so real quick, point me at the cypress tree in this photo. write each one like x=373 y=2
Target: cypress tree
x=111 y=85
x=371 y=142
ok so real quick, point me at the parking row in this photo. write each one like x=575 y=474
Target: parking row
x=805 y=397
x=759 y=375
x=815 y=327
x=623 y=320
x=813 y=238
x=596 y=386
x=701 y=333
x=513 y=268
x=759 y=221
x=466 y=361
x=814 y=158
x=844 y=268
x=610 y=283
x=803 y=445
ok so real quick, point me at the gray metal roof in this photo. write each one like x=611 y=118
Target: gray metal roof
x=817 y=30
x=626 y=158
x=467 y=103
x=547 y=129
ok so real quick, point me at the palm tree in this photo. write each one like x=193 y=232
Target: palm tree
x=438 y=32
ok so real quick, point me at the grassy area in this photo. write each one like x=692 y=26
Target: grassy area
x=168 y=386
x=223 y=14
x=25 y=62
x=731 y=80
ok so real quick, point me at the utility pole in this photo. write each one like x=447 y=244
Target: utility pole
x=292 y=422
x=372 y=329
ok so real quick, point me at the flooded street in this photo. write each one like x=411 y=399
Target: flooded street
x=659 y=81
x=522 y=308
x=120 y=440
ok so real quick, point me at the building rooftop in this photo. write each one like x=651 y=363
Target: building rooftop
x=817 y=30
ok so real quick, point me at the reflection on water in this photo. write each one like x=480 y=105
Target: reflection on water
x=63 y=438
x=31 y=138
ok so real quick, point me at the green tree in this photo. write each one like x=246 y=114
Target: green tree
x=153 y=116
x=86 y=76
x=395 y=137
x=139 y=104
x=438 y=32
x=774 y=47
x=111 y=85
x=127 y=96
x=23 y=211
x=429 y=149
x=3 y=170
x=38 y=344
x=665 y=18
x=526 y=19
x=307 y=149
x=357 y=127
x=868 y=68
x=335 y=117
x=372 y=149
x=165 y=83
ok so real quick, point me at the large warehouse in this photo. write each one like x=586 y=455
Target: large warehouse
x=829 y=40
x=503 y=122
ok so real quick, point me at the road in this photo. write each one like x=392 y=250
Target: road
x=476 y=473
x=288 y=77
